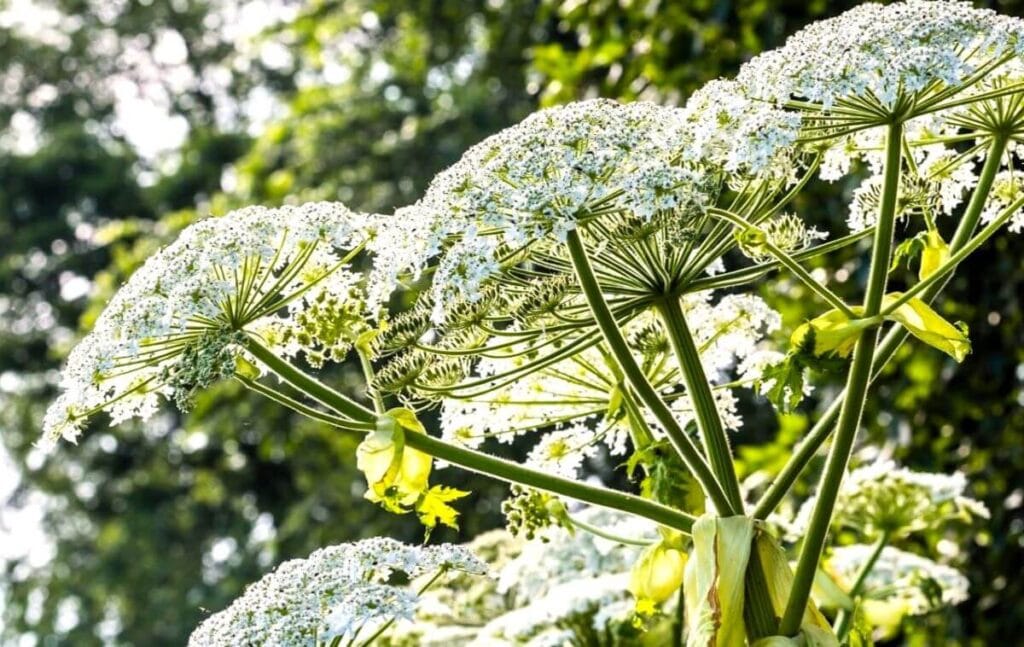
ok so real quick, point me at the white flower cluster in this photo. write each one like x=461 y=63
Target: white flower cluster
x=883 y=498
x=173 y=326
x=584 y=605
x=563 y=585
x=555 y=556
x=883 y=51
x=903 y=579
x=940 y=179
x=739 y=134
x=557 y=166
x=340 y=591
x=556 y=589
x=787 y=232
x=1007 y=189
x=576 y=399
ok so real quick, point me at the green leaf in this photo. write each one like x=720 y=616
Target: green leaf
x=787 y=377
x=908 y=250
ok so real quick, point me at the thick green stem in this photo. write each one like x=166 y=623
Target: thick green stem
x=314 y=389
x=758 y=612
x=856 y=392
x=689 y=453
x=844 y=617
x=510 y=472
x=709 y=422
x=890 y=343
x=485 y=464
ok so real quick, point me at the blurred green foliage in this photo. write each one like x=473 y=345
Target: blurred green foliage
x=153 y=524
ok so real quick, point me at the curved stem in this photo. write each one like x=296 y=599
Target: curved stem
x=606 y=322
x=510 y=472
x=310 y=412
x=956 y=258
x=857 y=382
x=790 y=263
x=492 y=466
x=610 y=536
x=890 y=344
x=750 y=274
x=844 y=617
x=314 y=389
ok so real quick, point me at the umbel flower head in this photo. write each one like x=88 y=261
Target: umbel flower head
x=578 y=403
x=281 y=274
x=883 y=499
x=337 y=591
x=551 y=172
x=882 y=52
x=899 y=584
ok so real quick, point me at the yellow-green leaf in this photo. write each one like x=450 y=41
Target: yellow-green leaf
x=934 y=253
x=814 y=628
x=406 y=419
x=396 y=475
x=829 y=594
x=831 y=334
x=432 y=508
x=656 y=575
x=928 y=326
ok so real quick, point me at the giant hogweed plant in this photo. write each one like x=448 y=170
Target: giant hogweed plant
x=586 y=281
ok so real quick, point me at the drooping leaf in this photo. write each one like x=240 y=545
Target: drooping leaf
x=927 y=325
x=396 y=475
x=934 y=253
x=832 y=334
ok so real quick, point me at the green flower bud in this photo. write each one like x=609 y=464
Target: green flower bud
x=656 y=576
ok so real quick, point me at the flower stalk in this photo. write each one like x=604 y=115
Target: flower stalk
x=857 y=382
x=480 y=462
x=609 y=327
x=893 y=339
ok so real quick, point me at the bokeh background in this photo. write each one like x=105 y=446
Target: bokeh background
x=122 y=121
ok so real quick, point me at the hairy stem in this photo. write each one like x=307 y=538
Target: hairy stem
x=709 y=422
x=314 y=389
x=609 y=327
x=759 y=614
x=787 y=261
x=890 y=343
x=857 y=382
